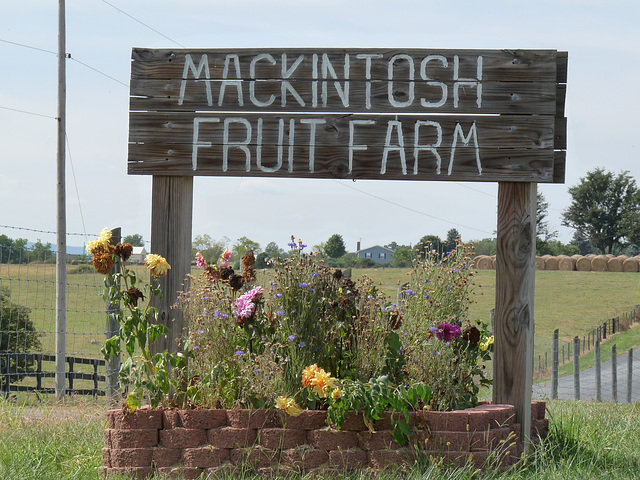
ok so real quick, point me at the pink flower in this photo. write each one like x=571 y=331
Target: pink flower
x=200 y=261
x=254 y=294
x=447 y=332
x=245 y=308
x=224 y=258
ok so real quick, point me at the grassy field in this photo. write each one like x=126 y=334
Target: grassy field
x=586 y=441
x=574 y=302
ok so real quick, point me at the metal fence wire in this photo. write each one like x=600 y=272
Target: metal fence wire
x=28 y=323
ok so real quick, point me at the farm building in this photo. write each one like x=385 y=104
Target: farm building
x=376 y=253
x=138 y=255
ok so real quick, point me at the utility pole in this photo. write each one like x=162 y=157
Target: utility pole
x=61 y=219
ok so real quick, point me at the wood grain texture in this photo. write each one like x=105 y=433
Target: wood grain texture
x=514 y=315
x=171 y=219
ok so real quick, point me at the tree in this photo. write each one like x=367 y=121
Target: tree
x=135 y=240
x=605 y=209
x=334 y=247
x=40 y=251
x=244 y=245
x=429 y=244
x=18 y=336
x=402 y=257
x=544 y=234
x=273 y=250
x=209 y=248
x=453 y=237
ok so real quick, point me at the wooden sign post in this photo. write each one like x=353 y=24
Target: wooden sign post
x=413 y=114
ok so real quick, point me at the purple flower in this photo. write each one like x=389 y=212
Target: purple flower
x=447 y=332
x=408 y=291
x=239 y=352
x=292 y=244
x=200 y=332
x=256 y=371
x=196 y=347
x=304 y=284
x=302 y=344
x=315 y=274
x=279 y=313
x=455 y=270
x=291 y=338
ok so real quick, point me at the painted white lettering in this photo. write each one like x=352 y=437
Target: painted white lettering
x=352 y=146
x=226 y=145
x=314 y=83
x=390 y=89
x=312 y=139
x=398 y=147
x=443 y=86
x=473 y=133
x=467 y=82
x=189 y=66
x=252 y=85
x=432 y=147
x=196 y=143
x=234 y=83
x=327 y=69
x=367 y=74
x=286 y=85
x=281 y=145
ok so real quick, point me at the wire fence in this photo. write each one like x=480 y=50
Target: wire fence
x=28 y=322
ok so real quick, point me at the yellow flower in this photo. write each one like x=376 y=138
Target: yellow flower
x=105 y=238
x=321 y=382
x=289 y=405
x=308 y=374
x=94 y=246
x=157 y=265
x=102 y=244
x=486 y=343
x=337 y=393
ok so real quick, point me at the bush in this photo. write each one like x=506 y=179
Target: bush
x=17 y=335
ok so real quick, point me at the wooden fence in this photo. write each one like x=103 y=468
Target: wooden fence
x=9 y=374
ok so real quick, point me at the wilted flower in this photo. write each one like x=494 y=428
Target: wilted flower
x=224 y=258
x=134 y=295
x=103 y=262
x=471 y=335
x=200 y=261
x=124 y=250
x=157 y=265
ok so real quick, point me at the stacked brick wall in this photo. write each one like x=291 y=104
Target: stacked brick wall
x=192 y=442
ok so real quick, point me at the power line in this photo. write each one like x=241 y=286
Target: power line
x=143 y=24
x=410 y=209
x=75 y=183
x=28 y=113
x=29 y=46
x=97 y=71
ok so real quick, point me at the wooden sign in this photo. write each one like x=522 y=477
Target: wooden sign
x=464 y=115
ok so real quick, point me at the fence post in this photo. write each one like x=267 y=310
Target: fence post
x=598 y=366
x=604 y=330
x=614 y=373
x=629 y=374
x=112 y=366
x=576 y=368
x=554 y=364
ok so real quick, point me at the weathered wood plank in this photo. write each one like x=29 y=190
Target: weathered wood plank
x=333 y=162
x=171 y=218
x=560 y=134
x=559 y=166
x=174 y=129
x=347 y=96
x=515 y=282
x=497 y=65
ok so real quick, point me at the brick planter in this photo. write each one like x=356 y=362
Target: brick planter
x=193 y=442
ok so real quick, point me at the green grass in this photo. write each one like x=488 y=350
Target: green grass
x=586 y=441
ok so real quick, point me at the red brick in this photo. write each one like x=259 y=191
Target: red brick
x=457 y=421
x=205 y=457
x=106 y=457
x=304 y=459
x=502 y=415
x=180 y=473
x=202 y=419
x=390 y=459
x=261 y=418
x=538 y=410
x=183 y=438
x=448 y=441
x=385 y=422
x=166 y=457
x=229 y=437
x=254 y=457
x=380 y=440
x=491 y=439
x=133 y=438
x=348 y=459
x=131 y=457
x=307 y=420
x=139 y=473
x=281 y=438
x=330 y=439
x=138 y=420
x=107 y=437
x=354 y=422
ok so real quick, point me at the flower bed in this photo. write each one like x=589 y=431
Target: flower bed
x=192 y=442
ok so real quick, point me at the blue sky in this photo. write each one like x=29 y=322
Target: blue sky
x=601 y=107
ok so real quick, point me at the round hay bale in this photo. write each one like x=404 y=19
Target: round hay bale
x=551 y=263
x=610 y=256
x=599 y=263
x=539 y=263
x=494 y=261
x=583 y=264
x=484 y=262
x=577 y=256
x=567 y=264
x=591 y=256
x=615 y=264
x=630 y=265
